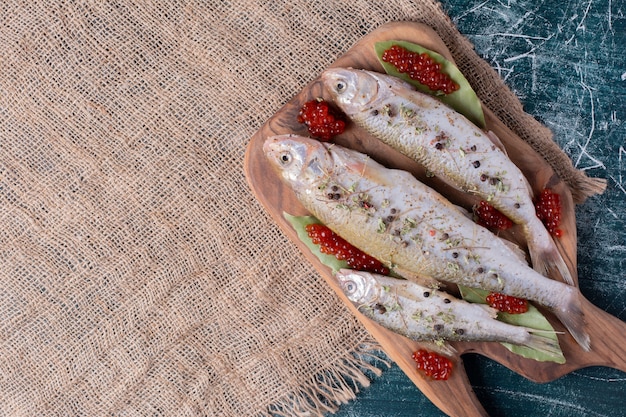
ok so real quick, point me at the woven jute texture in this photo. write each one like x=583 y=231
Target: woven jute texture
x=138 y=274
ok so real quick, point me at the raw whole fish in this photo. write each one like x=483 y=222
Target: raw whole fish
x=426 y=314
x=395 y=218
x=448 y=145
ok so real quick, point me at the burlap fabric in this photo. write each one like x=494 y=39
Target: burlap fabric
x=138 y=275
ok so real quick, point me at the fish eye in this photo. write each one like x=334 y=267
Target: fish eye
x=341 y=86
x=350 y=287
x=285 y=158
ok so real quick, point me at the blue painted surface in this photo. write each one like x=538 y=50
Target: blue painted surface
x=566 y=62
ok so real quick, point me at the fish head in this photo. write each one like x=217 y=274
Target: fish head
x=351 y=89
x=299 y=160
x=358 y=286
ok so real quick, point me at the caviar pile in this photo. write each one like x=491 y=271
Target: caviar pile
x=489 y=216
x=322 y=122
x=507 y=303
x=421 y=68
x=332 y=244
x=432 y=364
x=548 y=208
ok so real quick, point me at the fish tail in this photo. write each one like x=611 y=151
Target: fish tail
x=547 y=258
x=570 y=313
x=545 y=344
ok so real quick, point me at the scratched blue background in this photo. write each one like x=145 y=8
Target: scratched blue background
x=566 y=61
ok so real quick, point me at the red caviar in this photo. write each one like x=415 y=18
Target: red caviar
x=548 y=208
x=432 y=364
x=421 y=68
x=489 y=216
x=507 y=303
x=333 y=244
x=321 y=120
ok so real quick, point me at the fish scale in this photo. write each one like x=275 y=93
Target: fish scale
x=448 y=145
x=409 y=226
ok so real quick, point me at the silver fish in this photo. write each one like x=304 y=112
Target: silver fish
x=448 y=145
x=425 y=314
x=395 y=218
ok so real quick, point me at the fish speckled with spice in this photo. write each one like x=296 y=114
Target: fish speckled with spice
x=449 y=146
x=426 y=314
x=398 y=220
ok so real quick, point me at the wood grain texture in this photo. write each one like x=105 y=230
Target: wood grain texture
x=608 y=333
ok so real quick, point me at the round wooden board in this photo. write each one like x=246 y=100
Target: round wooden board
x=608 y=333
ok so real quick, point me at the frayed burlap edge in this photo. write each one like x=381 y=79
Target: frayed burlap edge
x=330 y=388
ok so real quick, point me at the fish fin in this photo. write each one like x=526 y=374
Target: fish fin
x=407 y=290
x=572 y=317
x=367 y=167
x=422 y=280
x=490 y=310
x=548 y=345
x=515 y=249
x=496 y=141
x=547 y=260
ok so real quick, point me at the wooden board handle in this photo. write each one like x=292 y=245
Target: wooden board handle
x=608 y=338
